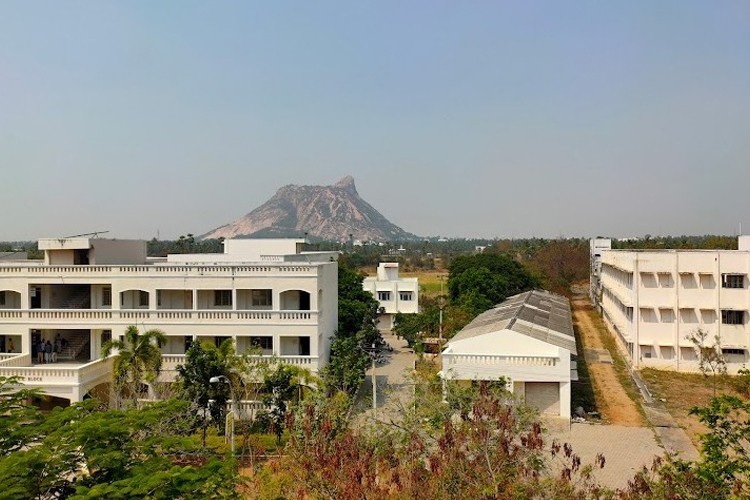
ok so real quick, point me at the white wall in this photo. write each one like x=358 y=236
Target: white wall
x=671 y=294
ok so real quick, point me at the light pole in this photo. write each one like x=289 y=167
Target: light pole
x=233 y=411
x=441 y=304
x=373 y=354
x=374 y=386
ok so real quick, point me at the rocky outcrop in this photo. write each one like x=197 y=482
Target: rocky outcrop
x=326 y=212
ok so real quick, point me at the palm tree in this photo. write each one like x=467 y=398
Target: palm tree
x=138 y=359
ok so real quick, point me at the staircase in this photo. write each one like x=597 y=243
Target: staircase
x=81 y=299
x=78 y=347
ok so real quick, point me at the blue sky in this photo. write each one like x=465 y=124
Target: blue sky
x=483 y=119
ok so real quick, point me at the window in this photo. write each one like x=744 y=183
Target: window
x=222 y=297
x=107 y=296
x=261 y=297
x=667 y=315
x=384 y=295
x=733 y=281
x=2 y=298
x=405 y=296
x=741 y=352
x=106 y=336
x=265 y=343
x=142 y=298
x=729 y=317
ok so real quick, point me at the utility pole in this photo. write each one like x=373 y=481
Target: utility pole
x=374 y=386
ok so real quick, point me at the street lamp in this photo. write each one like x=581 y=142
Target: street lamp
x=233 y=411
x=372 y=354
x=441 y=304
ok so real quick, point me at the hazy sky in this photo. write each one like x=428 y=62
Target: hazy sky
x=497 y=118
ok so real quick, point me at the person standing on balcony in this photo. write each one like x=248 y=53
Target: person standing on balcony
x=40 y=351
x=48 y=352
x=10 y=347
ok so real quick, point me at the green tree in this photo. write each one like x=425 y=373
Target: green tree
x=84 y=451
x=202 y=362
x=480 y=281
x=19 y=419
x=280 y=386
x=357 y=332
x=138 y=360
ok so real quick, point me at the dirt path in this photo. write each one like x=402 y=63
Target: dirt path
x=613 y=402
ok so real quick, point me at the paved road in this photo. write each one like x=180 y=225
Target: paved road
x=393 y=387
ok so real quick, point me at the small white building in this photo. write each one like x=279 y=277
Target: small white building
x=528 y=341
x=396 y=295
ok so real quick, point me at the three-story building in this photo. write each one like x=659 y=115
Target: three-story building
x=266 y=294
x=655 y=300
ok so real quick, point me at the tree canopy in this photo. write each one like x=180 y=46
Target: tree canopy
x=356 y=332
x=486 y=279
x=87 y=451
x=138 y=360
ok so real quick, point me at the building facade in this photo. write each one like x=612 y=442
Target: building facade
x=654 y=300
x=395 y=294
x=528 y=341
x=266 y=294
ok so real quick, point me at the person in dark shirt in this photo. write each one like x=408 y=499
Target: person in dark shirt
x=48 y=352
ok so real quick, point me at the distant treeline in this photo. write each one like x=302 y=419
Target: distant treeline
x=706 y=242
x=184 y=244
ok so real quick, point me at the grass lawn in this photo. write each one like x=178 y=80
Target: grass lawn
x=682 y=391
x=429 y=281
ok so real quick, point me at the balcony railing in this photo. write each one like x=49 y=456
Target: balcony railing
x=169 y=362
x=488 y=359
x=21 y=366
x=170 y=316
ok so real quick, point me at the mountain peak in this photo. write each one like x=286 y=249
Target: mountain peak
x=347 y=183
x=327 y=212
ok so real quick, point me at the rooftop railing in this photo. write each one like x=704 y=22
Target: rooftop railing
x=35 y=270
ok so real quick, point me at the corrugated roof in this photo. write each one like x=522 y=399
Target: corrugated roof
x=538 y=314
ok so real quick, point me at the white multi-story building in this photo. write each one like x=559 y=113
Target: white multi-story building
x=396 y=295
x=653 y=300
x=597 y=245
x=263 y=293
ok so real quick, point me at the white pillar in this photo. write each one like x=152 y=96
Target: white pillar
x=565 y=399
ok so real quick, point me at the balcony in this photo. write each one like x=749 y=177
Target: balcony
x=66 y=380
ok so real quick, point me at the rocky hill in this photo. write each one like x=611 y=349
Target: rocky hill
x=326 y=212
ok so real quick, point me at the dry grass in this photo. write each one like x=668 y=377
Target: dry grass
x=680 y=392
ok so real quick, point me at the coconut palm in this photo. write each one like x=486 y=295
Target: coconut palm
x=138 y=359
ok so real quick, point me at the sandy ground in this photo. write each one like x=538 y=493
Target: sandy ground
x=613 y=402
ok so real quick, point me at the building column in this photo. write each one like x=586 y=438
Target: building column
x=565 y=399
